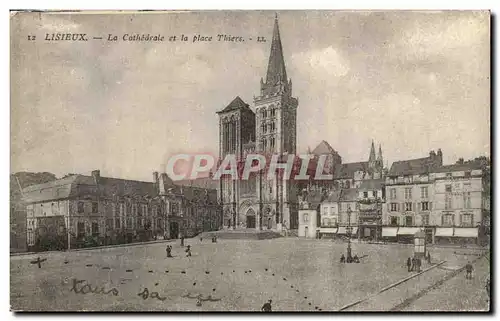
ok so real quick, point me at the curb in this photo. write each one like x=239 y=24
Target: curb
x=390 y=287
x=431 y=287
x=94 y=248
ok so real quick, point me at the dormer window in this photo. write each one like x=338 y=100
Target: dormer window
x=448 y=175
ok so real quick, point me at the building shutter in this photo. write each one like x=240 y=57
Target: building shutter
x=430 y=206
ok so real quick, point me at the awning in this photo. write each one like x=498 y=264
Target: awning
x=329 y=230
x=466 y=232
x=408 y=230
x=389 y=231
x=444 y=231
x=343 y=230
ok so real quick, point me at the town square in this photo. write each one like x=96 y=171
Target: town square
x=252 y=161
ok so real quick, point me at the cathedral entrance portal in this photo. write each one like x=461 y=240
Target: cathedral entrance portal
x=250 y=218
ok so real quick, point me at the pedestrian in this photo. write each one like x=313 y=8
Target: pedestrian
x=201 y=239
x=188 y=250
x=413 y=263
x=169 y=251
x=342 y=259
x=215 y=238
x=419 y=264
x=182 y=240
x=355 y=259
x=468 y=269
x=267 y=306
x=408 y=264
x=428 y=257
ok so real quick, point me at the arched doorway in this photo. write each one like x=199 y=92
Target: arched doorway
x=250 y=218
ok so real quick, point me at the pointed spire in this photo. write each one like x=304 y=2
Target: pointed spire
x=380 y=153
x=372 y=153
x=276 y=71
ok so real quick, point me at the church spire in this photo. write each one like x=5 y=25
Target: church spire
x=372 y=158
x=380 y=159
x=276 y=72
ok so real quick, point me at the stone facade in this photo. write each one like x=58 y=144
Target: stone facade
x=109 y=210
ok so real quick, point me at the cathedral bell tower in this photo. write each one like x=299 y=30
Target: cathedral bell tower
x=276 y=132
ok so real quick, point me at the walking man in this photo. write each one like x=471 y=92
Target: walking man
x=408 y=264
x=267 y=306
x=182 y=240
x=169 y=251
x=468 y=269
x=188 y=250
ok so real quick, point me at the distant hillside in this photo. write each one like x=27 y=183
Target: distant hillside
x=27 y=179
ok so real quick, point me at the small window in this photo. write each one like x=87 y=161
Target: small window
x=80 y=229
x=80 y=207
x=394 y=220
x=117 y=223
x=95 y=207
x=408 y=193
x=365 y=194
x=425 y=206
x=394 y=207
x=448 y=175
x=408 y=207
x=448 y=188
x=375 y=194
x=95 y=229
x=306 y=218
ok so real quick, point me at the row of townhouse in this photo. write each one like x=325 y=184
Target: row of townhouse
x=104 y=210
x=450 y=203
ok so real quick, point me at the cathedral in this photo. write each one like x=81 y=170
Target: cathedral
x=259 y=203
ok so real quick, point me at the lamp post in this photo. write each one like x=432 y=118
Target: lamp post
x=349 y=231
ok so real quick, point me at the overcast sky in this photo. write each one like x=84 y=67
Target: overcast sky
x=411 y=81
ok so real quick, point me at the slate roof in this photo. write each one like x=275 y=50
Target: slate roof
x=371 y=185
x=323 y=148
x=347 y=170
x=333 y=197
x=202 y=182
x=78 y=185
x=314 y=198
x=457 y=167
x=349 y=195
x=236 y=104
x=411 y=167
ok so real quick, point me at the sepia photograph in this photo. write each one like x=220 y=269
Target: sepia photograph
x=250 y=161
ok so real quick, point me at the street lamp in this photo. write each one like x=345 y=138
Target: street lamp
x=349 y=231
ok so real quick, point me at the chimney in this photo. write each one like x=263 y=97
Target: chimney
x=161 y=189
x=96 y=174
x=440 y=157
x=155 y=177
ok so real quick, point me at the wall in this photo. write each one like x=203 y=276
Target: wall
x=310 y=223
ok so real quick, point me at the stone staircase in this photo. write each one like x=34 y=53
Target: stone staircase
x=242 y=234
